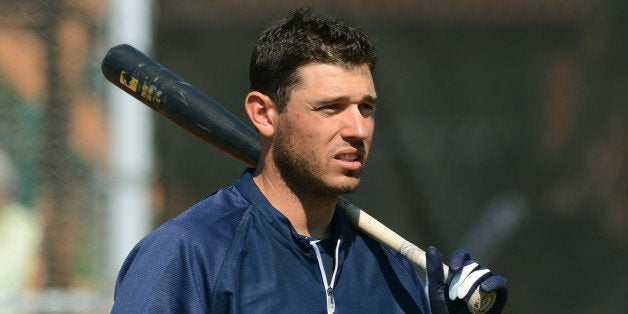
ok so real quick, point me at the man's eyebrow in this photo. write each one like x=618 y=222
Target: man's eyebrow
x=370 y=99
x=367 y=98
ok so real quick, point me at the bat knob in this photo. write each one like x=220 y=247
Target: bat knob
x=481 y=302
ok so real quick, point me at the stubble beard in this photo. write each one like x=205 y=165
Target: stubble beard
x=302 y=174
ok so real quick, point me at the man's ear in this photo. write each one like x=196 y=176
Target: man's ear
x=262 y=112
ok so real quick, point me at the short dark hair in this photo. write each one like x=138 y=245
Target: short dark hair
x=299 y=39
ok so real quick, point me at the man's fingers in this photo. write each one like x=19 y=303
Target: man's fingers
x=469 y=284
x=458 y=260
x=494 y=283
x=500 y=286
x=434 y=267
x=435 y=281
x=466 y=280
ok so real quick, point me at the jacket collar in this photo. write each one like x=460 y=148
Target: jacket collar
x=341 y=229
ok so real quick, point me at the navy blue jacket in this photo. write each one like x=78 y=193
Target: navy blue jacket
x=235 y=253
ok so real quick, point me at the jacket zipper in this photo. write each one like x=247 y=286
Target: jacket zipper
x=329 y=288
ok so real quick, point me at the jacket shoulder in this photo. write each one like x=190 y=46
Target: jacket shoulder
x=182 y=257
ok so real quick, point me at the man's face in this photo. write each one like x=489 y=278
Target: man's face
x=323 y=136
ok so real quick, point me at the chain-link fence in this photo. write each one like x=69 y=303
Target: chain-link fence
x=52 y=144
x=498 y=104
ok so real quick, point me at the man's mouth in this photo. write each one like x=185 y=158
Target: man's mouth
x=348 y=157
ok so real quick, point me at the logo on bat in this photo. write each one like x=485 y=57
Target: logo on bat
x=149 y=92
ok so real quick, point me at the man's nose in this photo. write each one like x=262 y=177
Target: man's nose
x=356 y=125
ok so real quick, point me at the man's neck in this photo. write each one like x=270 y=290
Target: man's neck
x=310 y=215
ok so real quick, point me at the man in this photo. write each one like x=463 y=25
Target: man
x=275 y=241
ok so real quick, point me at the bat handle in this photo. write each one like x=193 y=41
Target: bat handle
x=479 y=301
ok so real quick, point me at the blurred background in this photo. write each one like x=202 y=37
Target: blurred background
x=502 y=129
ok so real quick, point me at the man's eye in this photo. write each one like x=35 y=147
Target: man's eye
x=367 y=109
x=330 y=107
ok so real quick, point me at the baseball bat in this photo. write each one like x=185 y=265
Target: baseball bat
x=180 y=102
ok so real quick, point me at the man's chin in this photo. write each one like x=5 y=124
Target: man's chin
x=348 y=186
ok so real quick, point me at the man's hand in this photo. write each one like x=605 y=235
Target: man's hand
x=450 y=297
